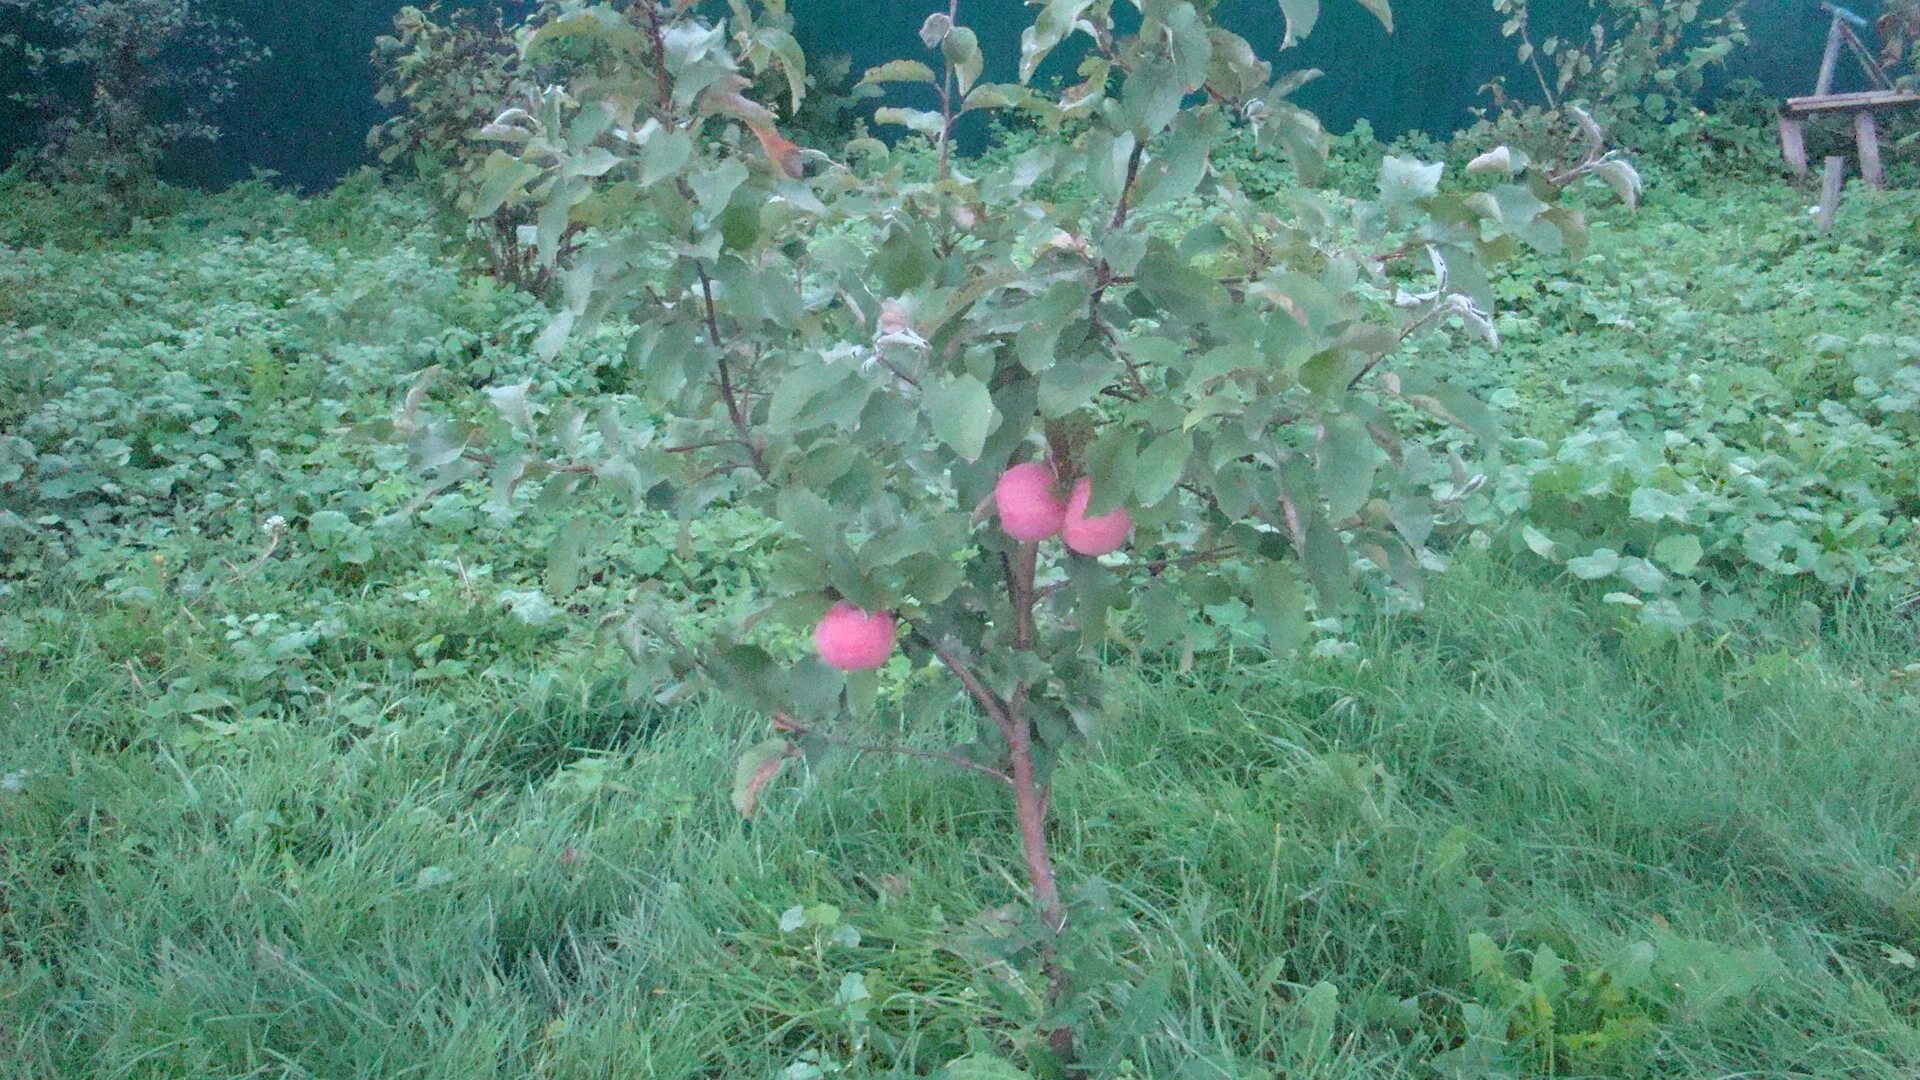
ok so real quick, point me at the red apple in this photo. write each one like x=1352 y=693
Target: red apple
x=1029 y=509
x=852 y=640
x=1093 y=536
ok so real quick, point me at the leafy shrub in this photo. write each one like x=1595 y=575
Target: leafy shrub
x=830 y=112
x=1639 y=71
x=452 y=75
x=125 y=81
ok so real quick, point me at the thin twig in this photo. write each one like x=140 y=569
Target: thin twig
x=880 y=354
x=787 y=724
x=987 y=699
x=707 y=445
x=1157 y=567
x=488 y=461
x=727 y=391
x=1125 y=205
x=947 y=91
x=660 y=64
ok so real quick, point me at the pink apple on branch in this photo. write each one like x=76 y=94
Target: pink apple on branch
x=1101 y=535
x=1029 y=508
x=849 y=639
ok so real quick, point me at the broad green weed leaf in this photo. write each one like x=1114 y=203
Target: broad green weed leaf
x=1681 y=554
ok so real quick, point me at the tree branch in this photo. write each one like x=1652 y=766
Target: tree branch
x=727 y=390
x=880 y=354
x=1157 y=567
x=1020 y=571
x=986 y=698
x=659 y=40
x=1125 y=205
x=788 y=725
x=947 y=90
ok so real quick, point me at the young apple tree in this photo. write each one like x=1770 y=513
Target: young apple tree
x=1000 y=415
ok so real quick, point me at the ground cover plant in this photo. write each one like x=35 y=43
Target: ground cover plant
x=313 y=768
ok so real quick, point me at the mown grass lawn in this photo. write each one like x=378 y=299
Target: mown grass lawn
x=499 y=877
x=356 y=802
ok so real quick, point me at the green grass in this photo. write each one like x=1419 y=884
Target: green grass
x=400 y=881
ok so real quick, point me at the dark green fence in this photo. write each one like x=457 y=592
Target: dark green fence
x=305 y=113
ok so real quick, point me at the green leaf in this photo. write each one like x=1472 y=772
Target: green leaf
x=505 y=176
x=1107 y=156
x=714 y=189
x=1602 y=563
x=565 y=556
x=930 y=124
x=1642 y=575
x=1163 y=614
x=1150 y=98
x=793 y=61
x=963 y=414
x=935 y=29
x=1466 y=410
x=1404 y=181
x=1070 y=386
x=1181 y=163
x=593 y=22
x=1160 y=467
x=811 y=518
x=1112 y=464
x=1298 y=134
x=554 y=337
x=1623 y=178
x=982 y=1067
x=902 y=262
x=1052 y=26
x=755 y=770
x=898 y=71
x=1348 y=460
x=1186 y=294
x=792 y=408
x=326 y=527
x=1301 y=15
x=664 y=155
x=1008 y=96
x=1191 y=46
x=1653 y=504
x=1328 y=565
x=1281 y=605
x=1681 y=554
x=1044 y=318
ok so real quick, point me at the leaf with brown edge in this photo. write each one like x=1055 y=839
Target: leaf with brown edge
x=756 y=769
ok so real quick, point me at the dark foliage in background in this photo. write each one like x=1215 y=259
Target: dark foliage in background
x=447 y=74
x=120 y=84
